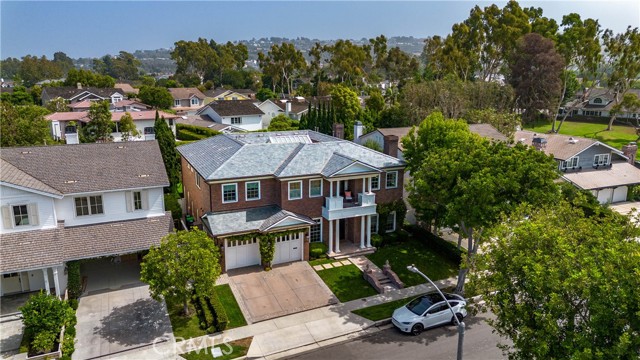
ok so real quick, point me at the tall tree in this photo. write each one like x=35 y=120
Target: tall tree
x=23 y=125
x=64 y=62
x=156 y=96
x=100 y=124
x=185 y=262
x=568 y=283
x=167 y=144
x=284 y=64
x=346 y=104
x=535 y=75
x=128 y=128
x=194 y=57
x=622 y=54
x=349 y=62
x=88 y=78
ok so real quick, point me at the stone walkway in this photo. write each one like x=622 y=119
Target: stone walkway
x=336 y=263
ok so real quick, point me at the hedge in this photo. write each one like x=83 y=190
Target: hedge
x=317 y=250
x=74 y=281
x=188 y=135
x=221 y=318
x=171 y=203
x=190 y=132
x=203 y=311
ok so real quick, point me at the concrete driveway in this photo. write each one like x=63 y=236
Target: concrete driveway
x=286 y=289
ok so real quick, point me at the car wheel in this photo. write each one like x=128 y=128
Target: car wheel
x=417 y=329
x=459 y=316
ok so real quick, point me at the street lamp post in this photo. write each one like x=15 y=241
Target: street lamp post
x=460 y=324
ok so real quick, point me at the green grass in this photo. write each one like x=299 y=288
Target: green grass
x=321 y=261
x=185 y=327
x=347 y=283
x=236 y=319
x=240 y=348
x=618 y=136
x=382 y=311
x=414 y=251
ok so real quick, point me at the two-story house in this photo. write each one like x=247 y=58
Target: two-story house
x=598 y=103
x=316 y=187
x=78 y=94
x=186 y=100
x=290 y=108
x=242 y=114
x=220 y=94
x=64 y=203
x=589 y=164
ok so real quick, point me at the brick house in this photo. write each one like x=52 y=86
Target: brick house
x=310 y=186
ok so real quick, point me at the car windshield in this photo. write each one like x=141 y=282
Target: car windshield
x=419 y=305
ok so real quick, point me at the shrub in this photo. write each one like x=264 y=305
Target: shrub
x=221 y=318
x=44 y=341
x=376 y=240
x=46 y=313
x=73 y=303
x=171 y=203
x=68 y=344
x=190 y=132
x=317 y=250
x=74 y=283
x=203 y=312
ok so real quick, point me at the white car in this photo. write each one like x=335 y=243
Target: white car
x=428 y=311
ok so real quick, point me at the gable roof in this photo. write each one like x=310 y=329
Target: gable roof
x=233 y=108
x=185 y=93
x=260 y=219
x=620 y=174
x=562 y=147
x=11 y=175
x=255 y=154
x=72 y=169
x=70 y=92
x=487 y=131
x=115 y=116
x=297 y=107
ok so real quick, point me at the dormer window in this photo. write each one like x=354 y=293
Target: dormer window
x=597 y=101
x=570 y=163
x=601 y=159
x=195 y=102
x=176 y=103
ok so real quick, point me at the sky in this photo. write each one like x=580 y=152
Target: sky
x=96 y=28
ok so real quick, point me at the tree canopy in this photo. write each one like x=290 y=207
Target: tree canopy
x=100 y=125
x=170 y=156
x=128 y=128
x=23 y=125
x=156 y=96
x=283 y=63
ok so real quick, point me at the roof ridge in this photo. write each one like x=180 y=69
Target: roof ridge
x=289 y=158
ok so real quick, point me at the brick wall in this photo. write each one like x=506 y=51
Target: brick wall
x=196 y=199
x=269 y=195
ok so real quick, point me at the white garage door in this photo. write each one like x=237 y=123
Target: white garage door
x=604 y=196
x=620 y=194
x=240 y=253
x=288 y=248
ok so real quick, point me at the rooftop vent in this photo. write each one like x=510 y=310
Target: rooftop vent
x=573 y=141
x=70 y=181
x=143 y=175
x=122 y=147
x=25 y=152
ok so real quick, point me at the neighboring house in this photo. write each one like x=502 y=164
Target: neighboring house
x=122 y=105
x=186 y=100
x=589 y=164
x=127 y=88
x=78 y=94
x=229 y=94
x=290 y=108
x=242 y=114
x=316 y=187
x=67 y=125
x=7 y=83
x=64 y=203
x=596 y=103
x=205 y=121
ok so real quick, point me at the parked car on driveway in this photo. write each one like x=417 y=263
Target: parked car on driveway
x=428 y=311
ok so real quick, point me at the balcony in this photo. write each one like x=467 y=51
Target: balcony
x=337 y=208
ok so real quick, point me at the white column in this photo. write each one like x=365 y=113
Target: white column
x=338 y=235
x=338 y=188
x=330 y=236
x=56 y=281
x=362 y=221
x=370 y=181
x=46 y=280
x=330 y=188
x=369 y=231
x=364 y=186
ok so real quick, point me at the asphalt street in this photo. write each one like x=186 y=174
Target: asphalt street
x=438 y=343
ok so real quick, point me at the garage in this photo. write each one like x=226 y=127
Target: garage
x=619 y=194
x=604 y=196
x=240 y=253
x=288 y=248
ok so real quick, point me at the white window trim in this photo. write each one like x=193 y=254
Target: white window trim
x=576 y=159
x=195 y=101
x=597 y=157
x=197 y=180
x=289 y=188
x=321 y=188
x=246 y=190
x=386 y=183
x=319 y=222
x=239 y=118
x=387 y=220
x=378 y=187
x=176 y=103
x=377 y=223
x=222 y=193
x=75 y=211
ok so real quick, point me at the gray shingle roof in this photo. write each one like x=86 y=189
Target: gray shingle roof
x=42 y=248
x=336 y=163
x=248 y=220
x=247 y=155
x=185 y=93
x=12 y=175
x=235 y=107
x=72 y=169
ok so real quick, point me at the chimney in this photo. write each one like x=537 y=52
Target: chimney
x=338 y=130
x=539 y=143
x=79 y=85
x=287 y=108
x=630 y=150
x=391 y=145
x=357 y=131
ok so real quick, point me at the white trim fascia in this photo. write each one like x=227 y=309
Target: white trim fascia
x=302 y=221
x=55 y=196
x=226 y=181
x=117 y=190
x=618 y=152
x=373 y=169
x=32 y=269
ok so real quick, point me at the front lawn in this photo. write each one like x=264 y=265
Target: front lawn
x=416 y=251
x=239 y=348
x=321 y=261
x=618 y=136
x=347 y=283
x=382 y=311
x=236 y=319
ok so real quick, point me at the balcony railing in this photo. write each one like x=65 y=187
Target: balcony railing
x=337 y=208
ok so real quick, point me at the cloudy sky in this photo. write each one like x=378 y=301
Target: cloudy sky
x=96 y=28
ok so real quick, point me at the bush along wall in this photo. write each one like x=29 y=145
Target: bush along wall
x=190 y=132
x=74 y=281
x=385 y=209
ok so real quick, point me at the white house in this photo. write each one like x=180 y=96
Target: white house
x=240 y=113
x=186 y=100
x=64 y=203
x=290 y=108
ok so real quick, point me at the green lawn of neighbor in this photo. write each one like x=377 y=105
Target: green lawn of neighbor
x=236 y=319
x=239 y=348
x=618 y=136
x=347 y=283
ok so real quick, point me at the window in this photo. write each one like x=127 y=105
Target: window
x=391 y=222
x=89 y=205
x=374 y=224
x=597 y=101
x=236 y=120
x=195 y=101
x=20 y=215
x=176 y=102
x=392 y=180
x=229 y=193
x=315 y=187
x=197 y=180
x=295 y=190
x=149 y=131
x=137 y=200
x=601 y=159
x=252 y=190
x=570 y=163
x=315 y=232
x=375 y=182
